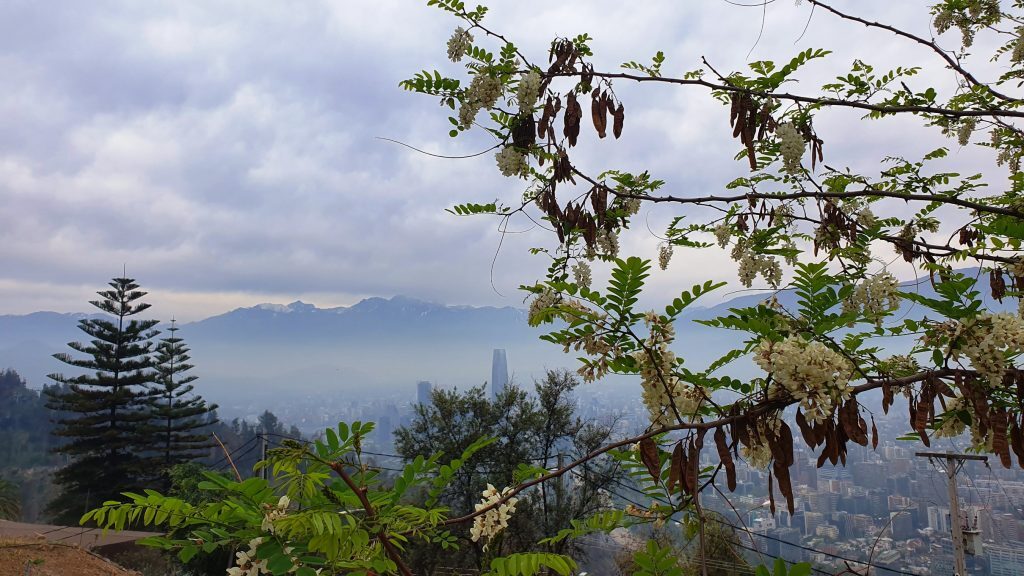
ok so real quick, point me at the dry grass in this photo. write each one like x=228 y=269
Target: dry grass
x=36 y=557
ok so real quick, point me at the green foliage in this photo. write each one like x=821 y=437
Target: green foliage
x=103 y=413
x=10 y=500
x=656 y=560
x=528 y=564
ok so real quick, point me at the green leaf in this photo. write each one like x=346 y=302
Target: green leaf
x=801 y=569
x=187 y=552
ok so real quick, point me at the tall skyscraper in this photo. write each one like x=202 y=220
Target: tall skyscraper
x=499 y=372
x=423 y=392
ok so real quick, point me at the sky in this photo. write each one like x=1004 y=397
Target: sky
x=228 y=153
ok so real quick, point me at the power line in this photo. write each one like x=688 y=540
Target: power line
x=217 y=464
x=758 y=534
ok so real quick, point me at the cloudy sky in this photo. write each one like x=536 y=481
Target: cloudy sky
x=227 y=153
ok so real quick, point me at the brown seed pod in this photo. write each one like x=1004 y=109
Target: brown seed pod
x=573 y=114
x=726 y=457
x=597 y=115
x=618 y=118
x=649 y=455
x=785 y=484
x=997 y=284
x=675 y=470
x=874 y=434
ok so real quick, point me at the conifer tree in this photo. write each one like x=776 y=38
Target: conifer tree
x=178 y=414
x=102 y=414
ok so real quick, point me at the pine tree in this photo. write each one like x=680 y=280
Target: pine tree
x=178 y=414
x=103 y=413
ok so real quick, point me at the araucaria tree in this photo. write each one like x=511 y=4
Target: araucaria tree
x=104 y=412
x=178 y=415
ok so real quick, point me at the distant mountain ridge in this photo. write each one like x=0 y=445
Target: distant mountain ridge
x=376 y=342
x=374 y=345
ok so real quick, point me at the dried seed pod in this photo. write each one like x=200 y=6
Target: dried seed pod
x=997 y=284
x=617 y=120
x=675 y=470
x=649 y=455
x=785 y=484
x=597 y=115
x=573 y=114
x=726 y=457
x=874 y=434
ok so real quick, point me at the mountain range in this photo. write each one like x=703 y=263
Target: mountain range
x=375 y=346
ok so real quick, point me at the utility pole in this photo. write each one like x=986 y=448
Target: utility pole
x=953 y=463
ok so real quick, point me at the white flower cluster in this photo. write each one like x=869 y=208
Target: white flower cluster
x=791 y=146
x=246 y=563
x=752 y=264
x=978 y=12
x=757 y=453
x=965 y=129
x=512 y=162
x=664 y=394
x=951 y=426
x=459 y=44
x=783 y=215
x=490 y=523
x=989 y=340
x=271 y=513
x=810 y=372
x=608 y=243
x=483 y=92
x=529 y=91
x=722 y=235
x=1017 y=55
x=874 y=297
x=541 y=302
x=631 y=206
x=664 y=255
x=866 y=218
x=581 y=274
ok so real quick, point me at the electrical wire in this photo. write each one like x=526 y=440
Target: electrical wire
x=758 y=534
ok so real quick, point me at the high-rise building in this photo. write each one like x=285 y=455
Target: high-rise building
x=423 y=389
x=1005 y=559
x=499 y=372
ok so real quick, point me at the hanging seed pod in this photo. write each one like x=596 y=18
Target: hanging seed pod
x=618 y=118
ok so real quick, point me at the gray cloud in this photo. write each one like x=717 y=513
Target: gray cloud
x=226 y=152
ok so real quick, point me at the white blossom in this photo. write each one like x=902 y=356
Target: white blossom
x=529 y=90
x=791 y=146
x=810 y=372
x=874 y=297
x=246 y=563
x=487 y=525
x=988 y=341
x=722 y=235
x=581 y=274
x=512 y=161
x=484 y=90
x=459 y=44
x=541 y=302
x=666 y=397
x=664 y=255
x=608 y=242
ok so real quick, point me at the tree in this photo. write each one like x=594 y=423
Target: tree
x=793 y=223
x=103 y=414
x=10 y=500
x=530 y=434
x=178 y=415
x=24 y=424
